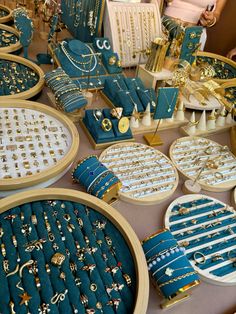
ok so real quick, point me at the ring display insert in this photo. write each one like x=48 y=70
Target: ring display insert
x=206 y=228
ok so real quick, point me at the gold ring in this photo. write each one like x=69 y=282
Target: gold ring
x=106 y=125
x=201 y=255
x=218 y=175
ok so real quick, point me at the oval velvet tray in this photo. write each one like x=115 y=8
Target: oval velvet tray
x=37 y=145
x=206 y=228
x=19 y=61
x=147 y=175
x=190 y=154
x=7 y=16
x=222 y=61
x=69 y=252
x=10 y=31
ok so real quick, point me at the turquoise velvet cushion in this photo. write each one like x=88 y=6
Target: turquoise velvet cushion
x=114 y=68
x=168 y=266
x=93 y=240
x=134 y=83
x=127 y=100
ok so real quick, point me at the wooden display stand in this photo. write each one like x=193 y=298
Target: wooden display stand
x=152 y=79
x=33 y=90
x=13 y=184
x=13 y=47
x=142 y=280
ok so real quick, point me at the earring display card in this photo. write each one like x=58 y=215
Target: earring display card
x=63 y=251
x=35 y=144
x=147 y=176
x=206 y=228
x=131 y=27
x=213 y=165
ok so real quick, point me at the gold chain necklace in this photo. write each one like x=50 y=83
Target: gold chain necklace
x=167 y=101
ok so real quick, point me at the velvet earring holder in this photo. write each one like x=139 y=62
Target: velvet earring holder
x=112 y=86
x=147 y=96
x=168 y=266
x=190 y=44
x=87 y=233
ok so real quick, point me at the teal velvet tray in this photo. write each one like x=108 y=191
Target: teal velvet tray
x=225 y=68
x=68 y=252
x=9 y=39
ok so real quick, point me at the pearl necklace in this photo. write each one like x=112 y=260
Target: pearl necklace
x=72 y=60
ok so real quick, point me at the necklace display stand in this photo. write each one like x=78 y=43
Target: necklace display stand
x=166 y=101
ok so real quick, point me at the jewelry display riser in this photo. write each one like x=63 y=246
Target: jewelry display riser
x=39 y=144
x=217 y=130
x=77 y=247
x=191 y=154
x=131 y=27
x=206 y=228
x=148 y=177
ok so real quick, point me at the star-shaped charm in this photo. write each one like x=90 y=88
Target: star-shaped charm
x=169 y=271
x=25 y=298
x=136 y=115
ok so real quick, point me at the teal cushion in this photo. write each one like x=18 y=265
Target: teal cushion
x=87 y=244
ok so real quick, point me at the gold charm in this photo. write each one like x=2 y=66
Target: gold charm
x=112 y=60
x=123 y=125
x=106 y=125
x=25 y=298
x=58 y=259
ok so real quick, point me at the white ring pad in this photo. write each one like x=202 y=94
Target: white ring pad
x=189 y=154
x=36 y=145
x=211 y=104
x=37 y=186
x=184 y=230
x=147 y=175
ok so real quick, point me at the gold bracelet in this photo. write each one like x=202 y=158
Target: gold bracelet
x=212 y=23
x=177 y=279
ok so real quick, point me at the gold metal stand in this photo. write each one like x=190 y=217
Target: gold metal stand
x=168 y=303
x=153 y=139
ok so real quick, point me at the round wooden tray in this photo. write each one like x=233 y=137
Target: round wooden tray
x=142 y=289
x=230 y=83
x=200 y=236
x=54 y=168
x=13 y=47
x=8 y=17
x=32 y=91
x=234 y=197
x=221 y=58
x=152 y=160
x=186 y=145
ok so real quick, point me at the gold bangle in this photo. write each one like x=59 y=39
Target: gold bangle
x=213 y=22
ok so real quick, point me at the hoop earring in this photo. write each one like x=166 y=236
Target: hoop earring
x=98 y=43
x=106 y=45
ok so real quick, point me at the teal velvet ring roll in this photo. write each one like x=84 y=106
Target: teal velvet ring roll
x=167 y=264
x=94 y=176
x=89 y=279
